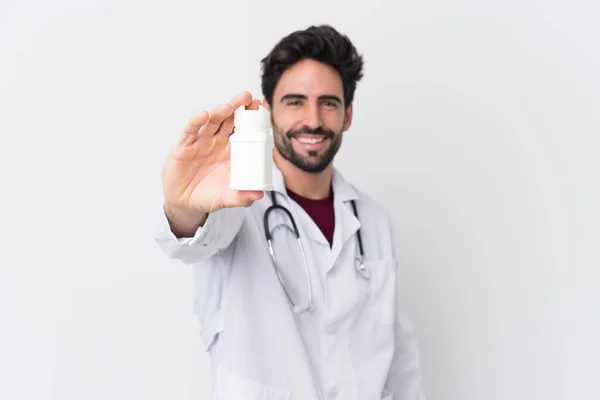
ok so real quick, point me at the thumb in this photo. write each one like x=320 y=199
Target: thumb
x=247 y=197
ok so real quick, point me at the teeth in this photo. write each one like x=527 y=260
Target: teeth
x=311 y=140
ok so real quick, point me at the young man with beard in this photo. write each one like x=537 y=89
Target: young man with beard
x=318 y=318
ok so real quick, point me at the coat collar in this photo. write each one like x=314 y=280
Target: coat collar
x=343 y=191
x=346 y=223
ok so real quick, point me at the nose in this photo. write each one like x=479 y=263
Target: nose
x=313 y=118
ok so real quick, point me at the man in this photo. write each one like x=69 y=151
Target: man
x=311 y=322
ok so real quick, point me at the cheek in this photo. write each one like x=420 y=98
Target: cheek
x=283 y=122
x=335 y=122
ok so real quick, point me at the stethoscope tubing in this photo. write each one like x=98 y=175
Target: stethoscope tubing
x=359 y=261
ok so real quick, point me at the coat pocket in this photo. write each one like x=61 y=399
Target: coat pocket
x=230 y=386
x=382 y=290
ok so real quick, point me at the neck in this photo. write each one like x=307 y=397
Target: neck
x=313 y=186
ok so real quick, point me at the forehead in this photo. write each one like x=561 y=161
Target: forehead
x=310 y=78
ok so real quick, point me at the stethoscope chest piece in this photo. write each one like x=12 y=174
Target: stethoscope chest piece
x=362 y=269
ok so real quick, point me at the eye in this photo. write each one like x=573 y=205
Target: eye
x=294 y=103
x=329 y=103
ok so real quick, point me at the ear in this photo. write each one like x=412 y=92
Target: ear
x=347 y=117
x=266 y=105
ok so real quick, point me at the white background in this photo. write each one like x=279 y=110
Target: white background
x=477 y=124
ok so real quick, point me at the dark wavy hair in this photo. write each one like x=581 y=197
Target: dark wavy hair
x=321 y=43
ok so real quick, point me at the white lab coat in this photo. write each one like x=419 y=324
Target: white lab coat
x=355 y=345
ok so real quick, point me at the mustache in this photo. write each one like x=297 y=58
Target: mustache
x=306 y=130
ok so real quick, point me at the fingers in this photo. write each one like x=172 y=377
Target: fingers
x=241 y=99
x=254 y=105
x=209 y=124
x=227 y=125
x=190 y=132
x=215 y=119
x=222 y=112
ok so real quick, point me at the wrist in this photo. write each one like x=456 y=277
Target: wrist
x=184 y=221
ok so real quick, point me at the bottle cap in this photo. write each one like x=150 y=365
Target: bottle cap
x=255 y=119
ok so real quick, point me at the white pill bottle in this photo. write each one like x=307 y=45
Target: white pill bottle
x=251 y=150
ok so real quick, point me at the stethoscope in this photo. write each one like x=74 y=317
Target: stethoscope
x=362 y=270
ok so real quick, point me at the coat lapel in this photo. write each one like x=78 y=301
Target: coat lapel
x=346 y=224
x=305 y=223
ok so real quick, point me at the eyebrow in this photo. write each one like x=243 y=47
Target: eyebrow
x=299 y=96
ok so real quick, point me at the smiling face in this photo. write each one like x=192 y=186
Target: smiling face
x=309 y=116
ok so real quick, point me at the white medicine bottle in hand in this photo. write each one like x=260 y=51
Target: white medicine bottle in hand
x=251 y=150
x=196 y=174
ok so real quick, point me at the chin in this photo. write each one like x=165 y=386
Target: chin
x=312 y=168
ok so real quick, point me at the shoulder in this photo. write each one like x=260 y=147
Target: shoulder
x=373 y=215
x=372 y=206
x=376 y=223
x=371 y=212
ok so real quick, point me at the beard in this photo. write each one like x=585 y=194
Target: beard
x=315 y=161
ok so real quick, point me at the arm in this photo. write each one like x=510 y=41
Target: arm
x=216 y=233
x=404 y=379
x=195 y=184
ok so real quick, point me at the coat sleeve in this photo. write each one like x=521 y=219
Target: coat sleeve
x=404 y=380
x=216 y=234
